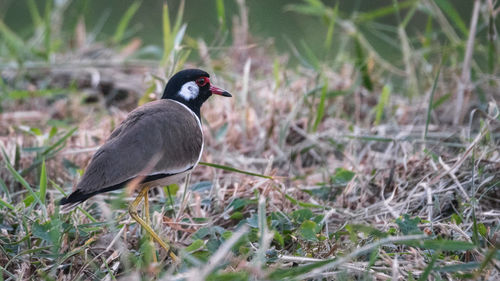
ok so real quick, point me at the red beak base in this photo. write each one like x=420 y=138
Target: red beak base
x=219 y=91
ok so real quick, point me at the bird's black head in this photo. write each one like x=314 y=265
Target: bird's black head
x=192 y=88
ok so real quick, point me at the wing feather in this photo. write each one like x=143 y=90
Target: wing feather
x=162 y=135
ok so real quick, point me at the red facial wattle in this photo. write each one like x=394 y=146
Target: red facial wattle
x=202 y=81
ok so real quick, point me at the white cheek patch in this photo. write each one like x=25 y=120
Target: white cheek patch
x=189 y=91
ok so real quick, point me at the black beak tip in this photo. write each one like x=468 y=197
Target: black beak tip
x=226 y=94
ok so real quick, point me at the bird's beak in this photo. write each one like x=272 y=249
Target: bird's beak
x=219 y=91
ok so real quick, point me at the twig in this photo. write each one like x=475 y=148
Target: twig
x=451 y=172
x=430 y=206
x=457 y=164
x=296 y=259
x=395 y=268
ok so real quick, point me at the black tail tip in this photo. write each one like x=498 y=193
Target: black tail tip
x=76 y=196
x=63 y=201
x=68 y=203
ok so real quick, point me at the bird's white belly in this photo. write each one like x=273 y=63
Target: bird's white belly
x=167 y=180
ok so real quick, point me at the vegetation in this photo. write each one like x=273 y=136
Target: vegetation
x=339 y=163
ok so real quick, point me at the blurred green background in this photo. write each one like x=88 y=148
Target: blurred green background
x=267 y=19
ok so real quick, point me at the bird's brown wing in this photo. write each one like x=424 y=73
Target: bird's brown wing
x=161 y=137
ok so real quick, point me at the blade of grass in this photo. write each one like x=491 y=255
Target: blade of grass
x=98 y=25
x=23 y=182
x=441 y=245
x=320 y=111
x=178 y=18
x=465 y=81
x=221 y=13
x=231 y=169
x=167 y=34
x=298 y=55
x=361 y=43
x=370 y=138
x=382 y=102
x=397 y=12
x=26 y=252
x=5 y=189
x=14 y=43
x=441 y=100
x=59 y=142
x=277 y=73
x=311 y=7
x=171 y=199
x=110 y=271
x=373 y=257
x=458 y=267
x=491 y=43
x=445 y=27
x=49 y=152
x=361 y=64
x=453 y=14
x=47 y=34
x=310 y=55
x=243 y=96
x=407 y=53
x=3 y=270
x=220 y=255
x=266 y=236
x=24 y=223
x=331 y=26
x=181 y=59
x=302 y=204
x=428 y=35
x=409 y=15
x=170 y=34
x=6 y=204
x=179 y=35
x=431 y=98
x=43 y=182
x=35 y=15
x=490 y=255
x=475 y=230
x=428 y=269
x=124 y=22
x=384 y=11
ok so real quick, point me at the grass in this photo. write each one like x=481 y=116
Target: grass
x=345 y=165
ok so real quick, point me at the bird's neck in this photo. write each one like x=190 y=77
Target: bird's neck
x=191 y=105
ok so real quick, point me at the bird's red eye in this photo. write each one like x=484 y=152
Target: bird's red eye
x=202 y=81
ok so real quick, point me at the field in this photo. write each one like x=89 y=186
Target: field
x=332 y=162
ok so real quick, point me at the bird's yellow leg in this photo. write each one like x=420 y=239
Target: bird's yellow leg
x=132 y=209
x=146 y=204
x=146 y=214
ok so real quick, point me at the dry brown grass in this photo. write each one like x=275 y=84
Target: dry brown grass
x=268 y=131
x=267 y=128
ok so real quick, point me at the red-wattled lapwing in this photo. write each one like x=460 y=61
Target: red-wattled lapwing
x=156 y=145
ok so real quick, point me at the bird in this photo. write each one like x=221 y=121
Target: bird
x=156 y=145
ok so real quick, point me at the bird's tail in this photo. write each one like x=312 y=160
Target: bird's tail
x=74 y=199
x=66 y=208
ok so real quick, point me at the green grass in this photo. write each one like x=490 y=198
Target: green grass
x=340 y=163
